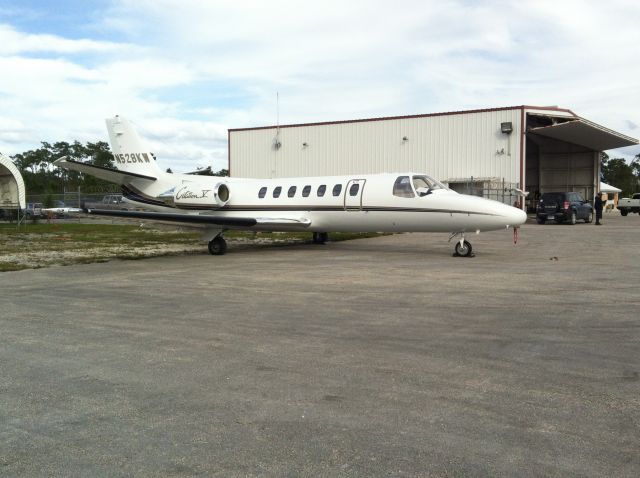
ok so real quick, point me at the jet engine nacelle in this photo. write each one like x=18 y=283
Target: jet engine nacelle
x=190 y=195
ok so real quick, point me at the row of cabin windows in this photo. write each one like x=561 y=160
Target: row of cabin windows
x=306 y=191
x=404 y=186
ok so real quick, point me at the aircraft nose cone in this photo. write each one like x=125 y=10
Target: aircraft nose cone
x=518 y=216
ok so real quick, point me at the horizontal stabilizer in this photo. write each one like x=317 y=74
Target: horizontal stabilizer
x=108 y=174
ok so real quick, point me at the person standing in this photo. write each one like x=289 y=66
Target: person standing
x=598 y=205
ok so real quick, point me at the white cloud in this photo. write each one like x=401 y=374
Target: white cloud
x=187 y=70
x=13 y=42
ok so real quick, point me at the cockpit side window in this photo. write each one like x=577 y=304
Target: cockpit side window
x=402 y=187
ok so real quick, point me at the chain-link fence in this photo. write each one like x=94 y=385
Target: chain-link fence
x=497 y=190
x=75 y=199
x=69 y=199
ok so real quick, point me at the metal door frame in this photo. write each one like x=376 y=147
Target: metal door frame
x=349 y=202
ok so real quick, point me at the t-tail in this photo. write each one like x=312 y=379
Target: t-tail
x=135 y=165
x=129 y=153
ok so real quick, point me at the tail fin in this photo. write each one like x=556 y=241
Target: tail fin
x=129 y=154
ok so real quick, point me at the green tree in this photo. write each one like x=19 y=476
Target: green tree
x=42 y=177
x=617 y=172
x=209 y=172
x=100 y=155
x=635 y=165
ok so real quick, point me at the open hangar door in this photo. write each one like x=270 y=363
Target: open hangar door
x=563 y=154
x=554 y=165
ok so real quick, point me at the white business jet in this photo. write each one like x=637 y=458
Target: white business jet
x=400 y=202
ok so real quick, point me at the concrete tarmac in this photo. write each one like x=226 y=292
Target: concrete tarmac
x=375 y=357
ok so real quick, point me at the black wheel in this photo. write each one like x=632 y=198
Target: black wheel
x=320 y=237
x=624 y=212
x=463 y=249
x=540 y=220
x=217 y=246
x=573 y=218
x=589 y=218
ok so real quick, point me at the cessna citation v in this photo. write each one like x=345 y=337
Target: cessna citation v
x=400 y=202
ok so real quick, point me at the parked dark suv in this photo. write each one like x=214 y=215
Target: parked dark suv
x=565 y=206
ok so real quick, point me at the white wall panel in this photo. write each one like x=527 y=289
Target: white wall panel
x=447 y=146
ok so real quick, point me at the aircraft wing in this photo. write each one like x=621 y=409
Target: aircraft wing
x=205 y=219
x=283 y=221
x=108 y=174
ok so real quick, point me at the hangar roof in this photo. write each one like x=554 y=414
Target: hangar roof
x=585 y=133
x=550 y=109
x=567 y=126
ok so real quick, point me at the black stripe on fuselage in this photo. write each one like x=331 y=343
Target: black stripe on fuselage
x=350 y=209
x=133 y=194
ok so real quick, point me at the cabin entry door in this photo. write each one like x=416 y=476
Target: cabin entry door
x=353 y=195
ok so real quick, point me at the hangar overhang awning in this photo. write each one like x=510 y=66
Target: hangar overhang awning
x=585 y=133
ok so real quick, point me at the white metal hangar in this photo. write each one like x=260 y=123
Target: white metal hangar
x=12 y=192
x=489 y=152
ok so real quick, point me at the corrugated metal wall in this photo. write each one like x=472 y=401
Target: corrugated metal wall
x=448 y=147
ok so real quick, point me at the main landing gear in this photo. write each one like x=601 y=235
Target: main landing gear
x=217 y=246
x=320 y=237
x=463 y=247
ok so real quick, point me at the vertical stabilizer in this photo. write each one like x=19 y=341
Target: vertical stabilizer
x=129 y=153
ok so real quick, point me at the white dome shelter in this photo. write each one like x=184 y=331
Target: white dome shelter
x=12 y=193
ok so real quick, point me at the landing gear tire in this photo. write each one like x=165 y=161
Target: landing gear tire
x=320 y=237
x=464 y=249
x=217 y=246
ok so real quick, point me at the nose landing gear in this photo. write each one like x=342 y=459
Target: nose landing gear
x=463 y=247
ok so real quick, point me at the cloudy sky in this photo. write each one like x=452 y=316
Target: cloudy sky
x=184 y=71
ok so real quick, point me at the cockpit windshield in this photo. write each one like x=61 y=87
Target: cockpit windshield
x=424 y=184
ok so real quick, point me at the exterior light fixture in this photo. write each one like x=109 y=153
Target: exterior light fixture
x=404 y=138
x=305 y=144
x=506 y=128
